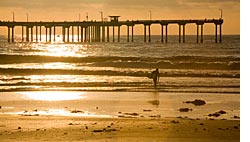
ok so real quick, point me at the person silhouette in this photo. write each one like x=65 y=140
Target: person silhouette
x=156 y=77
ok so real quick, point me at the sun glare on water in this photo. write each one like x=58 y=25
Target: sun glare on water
x=54 y=95
x=63 y=50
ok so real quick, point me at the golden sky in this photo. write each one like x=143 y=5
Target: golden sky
x=69 y=10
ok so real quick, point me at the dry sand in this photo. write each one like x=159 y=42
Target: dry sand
x=59 y=128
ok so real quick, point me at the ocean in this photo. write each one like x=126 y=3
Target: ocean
x=207 y=67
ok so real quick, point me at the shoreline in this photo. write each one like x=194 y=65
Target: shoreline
x=164 y=90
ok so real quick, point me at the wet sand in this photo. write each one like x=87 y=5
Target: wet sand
x=119 y=116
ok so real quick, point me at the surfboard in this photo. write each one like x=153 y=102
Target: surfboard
x=150 y=75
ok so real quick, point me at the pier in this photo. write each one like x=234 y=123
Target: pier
x=98 y=31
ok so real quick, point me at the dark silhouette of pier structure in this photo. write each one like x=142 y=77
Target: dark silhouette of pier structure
x=98 y=31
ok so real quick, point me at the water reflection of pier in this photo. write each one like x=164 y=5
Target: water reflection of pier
x=98 y=31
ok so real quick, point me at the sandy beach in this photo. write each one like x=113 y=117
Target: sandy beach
x=54 y=128
x=131 y=116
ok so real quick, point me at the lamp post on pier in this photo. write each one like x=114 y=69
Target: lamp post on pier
x=220 y=13
x=13 y=16
x=87 y=16
x=101 y=16
x=150 y=15
x=27 y=15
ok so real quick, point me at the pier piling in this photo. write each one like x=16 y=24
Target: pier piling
x=82 y=34
x=119 y=33
x=127 y=33
x=149 y=34
x=63 y=33
x=183 y=34
x=72 y=32
x=132 y=34
x=197 y=37
x=215 y=33
x=31 y=32
x=113 y=33
x=27 y=34
x=40 y=33
x=54 y=33
x=107 y=33
x=8 y=34
x=36 y=34
x=22 y=33
x=166 y=39
x=220 y=32
x=202 y=33
x=162 y=33
x=145 y=33
x=13 y=37
x=179 y=33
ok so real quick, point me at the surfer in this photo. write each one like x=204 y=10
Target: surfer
x=155 y=75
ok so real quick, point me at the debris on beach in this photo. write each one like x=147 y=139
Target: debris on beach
x=156 y=116
x=236 y=117
x=214 y=114
x=97 y=131
x=185 y=109
x=94 y=123
x=236 y=127
x=29 y=113
x=128 y=115
x=217 y=114
x=175 y=122
x=147 y=110
x=74 y=123
x=103 y=130
x=133 y=114
x=154 y=102
x=110 y=130
x=77 y=111
x=222 y=112
x=196 y=102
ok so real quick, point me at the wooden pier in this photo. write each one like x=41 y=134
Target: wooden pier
x=98 y=31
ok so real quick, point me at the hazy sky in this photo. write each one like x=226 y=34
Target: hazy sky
x=60 y=10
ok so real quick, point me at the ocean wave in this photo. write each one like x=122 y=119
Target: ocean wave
x=175 y=62
x=7 y=58
x=135 y=73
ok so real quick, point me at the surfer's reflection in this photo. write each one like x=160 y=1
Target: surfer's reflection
x=155 y=101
